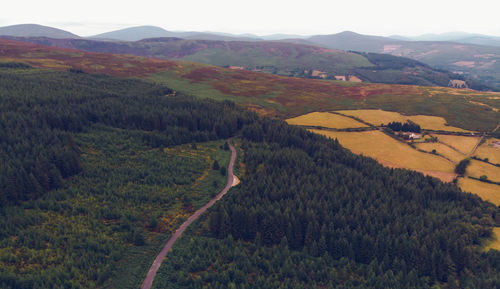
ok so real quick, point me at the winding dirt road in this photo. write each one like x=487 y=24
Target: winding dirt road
x=148 y=281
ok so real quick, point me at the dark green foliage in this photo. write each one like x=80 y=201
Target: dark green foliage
x=305 y=201
x=40 y=110
x=406 y=127
x=215 y=166
x=90 y=225
x=138 y=238
x=14 y=65
x=128 y=183
x=308 y=214
x=462 y=166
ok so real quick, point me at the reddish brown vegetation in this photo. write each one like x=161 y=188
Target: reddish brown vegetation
x=292 y=93
x=63 y=58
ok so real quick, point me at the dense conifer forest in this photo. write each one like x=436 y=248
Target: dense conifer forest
x=39 y=110
x=96 y=172
x=309 y=214
x=92 y=177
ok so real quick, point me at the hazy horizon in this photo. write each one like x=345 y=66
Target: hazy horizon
x=384 y=18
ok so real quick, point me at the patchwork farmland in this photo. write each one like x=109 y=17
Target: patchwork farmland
x=435 y=152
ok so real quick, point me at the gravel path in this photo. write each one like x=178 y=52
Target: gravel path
x=148 y=281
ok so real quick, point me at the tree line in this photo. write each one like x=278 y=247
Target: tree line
x=40 y=111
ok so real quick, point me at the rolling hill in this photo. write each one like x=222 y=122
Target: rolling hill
x=280 y=58
x=469 y=56
x=460 y=37
x=107 y=168
x=270 y=94
x=33 y=30
x=143 y=32
x=476 y=61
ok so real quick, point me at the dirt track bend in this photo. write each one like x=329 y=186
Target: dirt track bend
x=148 y=281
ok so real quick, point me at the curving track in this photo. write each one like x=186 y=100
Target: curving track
x=148 y=281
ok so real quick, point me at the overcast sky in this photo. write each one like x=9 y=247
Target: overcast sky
x=382 y=17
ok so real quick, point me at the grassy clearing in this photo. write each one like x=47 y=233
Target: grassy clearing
x=128 y=191
x=442 y=150
x=477 y=169
x=488 y=192
x=464 y=144
x=489 y=151
x=392 y=153
x=325 y=119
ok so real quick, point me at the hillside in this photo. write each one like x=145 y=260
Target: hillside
x=476 y=61
x=270 y=94
x=460 y=37
x=280 y=58
x=103 y=156
x=96 y=171
x=115 y=204
x=35 y=30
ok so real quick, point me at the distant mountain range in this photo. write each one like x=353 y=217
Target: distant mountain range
x=145 y=32
x=33 y=30
x=478 y=62
x=460 y=37
x=282 y=58
x=475 y=61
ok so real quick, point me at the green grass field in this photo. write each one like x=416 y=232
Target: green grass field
x=326 y=119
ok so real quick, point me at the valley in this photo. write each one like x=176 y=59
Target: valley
x=342 y=184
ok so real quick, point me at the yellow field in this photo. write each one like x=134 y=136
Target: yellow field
x=487 y=150
x=464 y=144
x=326 y=119
x=393 y=153
x=494 y=243
x=442 y=149
x=377 y=117
x=433 y=123
x=485 y=191
x=477 y=169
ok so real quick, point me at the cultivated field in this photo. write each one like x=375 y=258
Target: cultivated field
x=433 y=123
x=375 y=116
x=393 y=153
x=488 y=192
x=442 y=149
x=464 y=144
x=378 y=117
x=490 y=151
x=477 y=169
x=325 y=119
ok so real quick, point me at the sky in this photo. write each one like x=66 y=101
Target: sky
x=261 y=17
